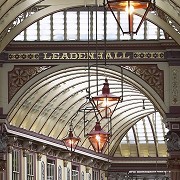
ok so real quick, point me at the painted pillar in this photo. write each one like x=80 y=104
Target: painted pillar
x=88 y=174
x=9 y=163
x=24 y=164
x=38 y=169
x=65 y=163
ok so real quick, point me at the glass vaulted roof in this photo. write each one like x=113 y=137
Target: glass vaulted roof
x=138 y=129
x=50 y=102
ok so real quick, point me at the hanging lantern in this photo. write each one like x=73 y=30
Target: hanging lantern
x=71 y=141
x=129 y=6
x=98 y=138
x=106 y=102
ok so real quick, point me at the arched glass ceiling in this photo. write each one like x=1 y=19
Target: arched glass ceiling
x=73 y=25
x=148 y=134
x=50 y=102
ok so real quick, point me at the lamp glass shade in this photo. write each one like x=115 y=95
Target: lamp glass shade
x=106 y=102
x=128 y=24
x=71 y=141
x=123 y=4
x=98 y=138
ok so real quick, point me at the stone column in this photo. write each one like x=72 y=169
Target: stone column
x=25 y=153
x=87 y=173
x=9 y=162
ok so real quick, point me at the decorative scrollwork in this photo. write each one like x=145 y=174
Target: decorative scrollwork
x=169 y=19
x=29 y=12
x=173 y=23
x=150 y=74
x=21 y=75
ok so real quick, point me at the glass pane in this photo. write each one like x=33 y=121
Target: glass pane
x=45 y=32
x=20 y=37
x=112 y=26
x=84 y=25
x=136 y=22
x=100 y=25
x=151 y=31
x=162 y=34
x=124 y=22
x=71 y=25
x=58 y=26
x=31 y=32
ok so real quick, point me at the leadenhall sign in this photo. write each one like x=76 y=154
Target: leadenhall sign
x=91 y=55
x=115 y=55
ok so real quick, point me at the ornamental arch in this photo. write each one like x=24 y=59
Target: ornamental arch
x=49 y=98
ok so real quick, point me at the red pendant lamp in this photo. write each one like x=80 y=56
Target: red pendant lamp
x=129 y=6
x=71 y=141
x=98 y=138
x=106 y=102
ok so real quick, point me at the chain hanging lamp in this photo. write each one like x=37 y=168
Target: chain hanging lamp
x=129 y=6
x=98 y=138
x=71 y=141
x=106 y=102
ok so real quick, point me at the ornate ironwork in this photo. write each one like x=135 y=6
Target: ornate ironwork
x=29 y=12
x=20 y=75
x=168 y=18
x=150 y=74
x=175 y=89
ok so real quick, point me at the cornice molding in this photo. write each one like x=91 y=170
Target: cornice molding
x=123 y=45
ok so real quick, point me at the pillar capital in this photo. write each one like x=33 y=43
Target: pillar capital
x=25 y=152
x=39 y=156
x=87 y=169
x=65 y=163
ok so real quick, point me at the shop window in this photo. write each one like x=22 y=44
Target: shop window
x=50 y=169
x=30 y=167
x=95 y=174
x=75 y=172
x=16 y=164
